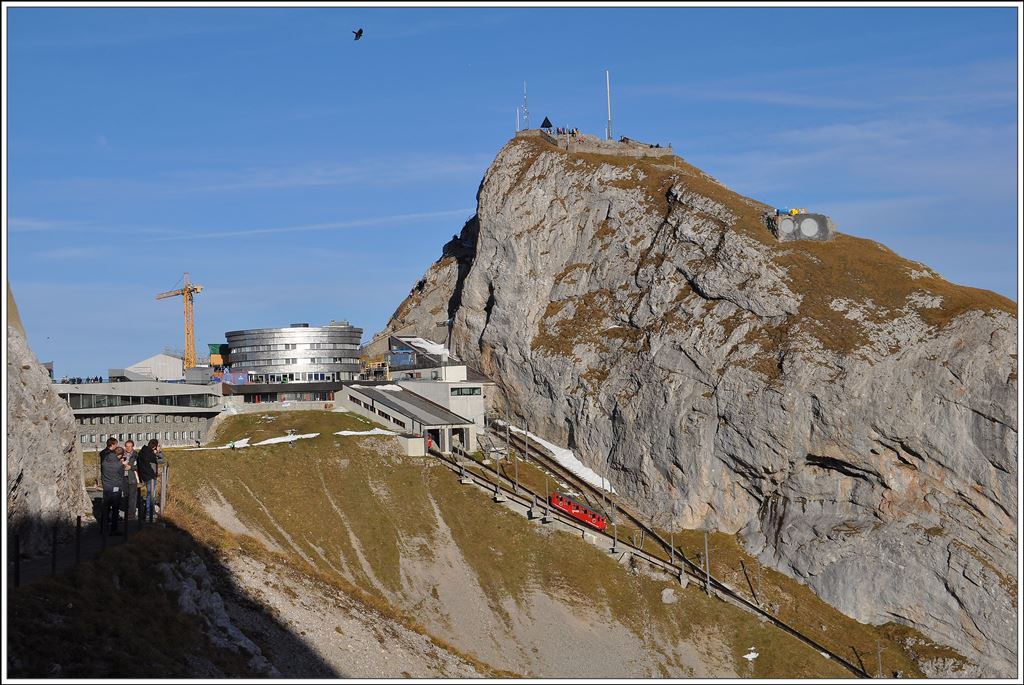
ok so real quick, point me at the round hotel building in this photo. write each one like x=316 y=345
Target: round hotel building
x=296 y=354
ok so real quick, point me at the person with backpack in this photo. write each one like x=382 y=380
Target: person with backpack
x=112 y=478
x=147 y=465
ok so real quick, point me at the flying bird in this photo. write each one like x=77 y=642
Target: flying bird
x=359 y=34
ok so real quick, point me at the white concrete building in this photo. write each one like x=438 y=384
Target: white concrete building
x=404 y=411
x=462 y=397
x=160 y=367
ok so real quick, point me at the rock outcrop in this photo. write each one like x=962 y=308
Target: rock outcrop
x=45 y=485
x=848 y=412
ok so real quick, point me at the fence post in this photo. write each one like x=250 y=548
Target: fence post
x=707 y=566
x=163 y=489
x=17 y=560
x=53 y=550
x=78 y=540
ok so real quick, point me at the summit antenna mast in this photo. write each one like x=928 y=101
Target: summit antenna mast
x=608 y=88
x=526 y=109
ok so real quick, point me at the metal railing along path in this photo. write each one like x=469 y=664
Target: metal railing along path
x=692 y=570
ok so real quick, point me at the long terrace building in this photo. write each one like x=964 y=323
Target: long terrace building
x=140 y=410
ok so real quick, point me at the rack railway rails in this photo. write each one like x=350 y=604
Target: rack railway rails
x=697 y=573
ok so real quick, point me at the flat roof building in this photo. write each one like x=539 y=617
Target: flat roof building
x=160 y=367
x=404 y=411
x=173 y=413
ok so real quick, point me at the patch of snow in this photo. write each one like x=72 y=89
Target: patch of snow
x=427 y=346
x=375 y=431
x=567 y=459
x=286 y=438
x=751 y=655
x=244 y=442
x=391 y=387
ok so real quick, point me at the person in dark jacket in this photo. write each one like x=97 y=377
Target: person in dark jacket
x=131 y=481
x=112 y=478
x=147 y=472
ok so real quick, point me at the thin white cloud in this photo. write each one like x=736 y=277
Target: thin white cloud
x=101 y=36
x=332 y=225
x=64 y=253
x=761 y=97
x=26 y=224
x=279 y=177
x=953 y=87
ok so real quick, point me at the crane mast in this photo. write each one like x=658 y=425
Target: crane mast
x=187 y=291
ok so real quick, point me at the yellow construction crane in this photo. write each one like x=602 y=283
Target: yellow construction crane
x=186 y=291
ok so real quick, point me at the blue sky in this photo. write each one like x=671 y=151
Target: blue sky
x=301 y=176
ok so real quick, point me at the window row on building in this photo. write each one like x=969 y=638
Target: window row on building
x=301 y=377
x=83 y=401
x=293 y=346
x=463 y=392
x=380 y=412
x=292 y=361
x=138 y=418
x=263 y=397
x=140 y=438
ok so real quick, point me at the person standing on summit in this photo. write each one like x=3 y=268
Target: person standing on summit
x=147 y=473
x=130 y=490
x=112 y=478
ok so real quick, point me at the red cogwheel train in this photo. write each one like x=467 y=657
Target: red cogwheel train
x=578 y=511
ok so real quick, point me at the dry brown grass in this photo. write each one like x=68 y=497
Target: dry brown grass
x=107 y=618
x=560 y=337
x=847 y=267
x=798 y=606
x=509 y=556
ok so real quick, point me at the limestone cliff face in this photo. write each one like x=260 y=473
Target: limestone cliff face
x=45 y=485
x=846 y=411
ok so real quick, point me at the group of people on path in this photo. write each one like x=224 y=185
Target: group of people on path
x=124 y=472
x=567 y=131
x=78 y=380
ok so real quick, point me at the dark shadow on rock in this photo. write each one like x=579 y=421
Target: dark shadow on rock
x=110 y=617
x=463 y=248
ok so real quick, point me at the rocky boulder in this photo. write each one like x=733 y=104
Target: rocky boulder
x=849 y=413
x=45 y=484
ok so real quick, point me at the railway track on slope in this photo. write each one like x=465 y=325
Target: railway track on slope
x=535 y=451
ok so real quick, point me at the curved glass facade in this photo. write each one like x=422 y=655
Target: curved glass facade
x=297 y=354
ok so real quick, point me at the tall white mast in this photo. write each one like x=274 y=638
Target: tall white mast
x=526 y=108
x=608 y=88
x=517 y=120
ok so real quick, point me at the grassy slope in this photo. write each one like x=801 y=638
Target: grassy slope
x=385 y=504
x=90 y=619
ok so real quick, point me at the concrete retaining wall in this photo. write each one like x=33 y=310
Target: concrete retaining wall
x=595 y=145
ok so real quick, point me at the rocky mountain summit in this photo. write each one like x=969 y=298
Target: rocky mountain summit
x=847 y=412
x=45 y=486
